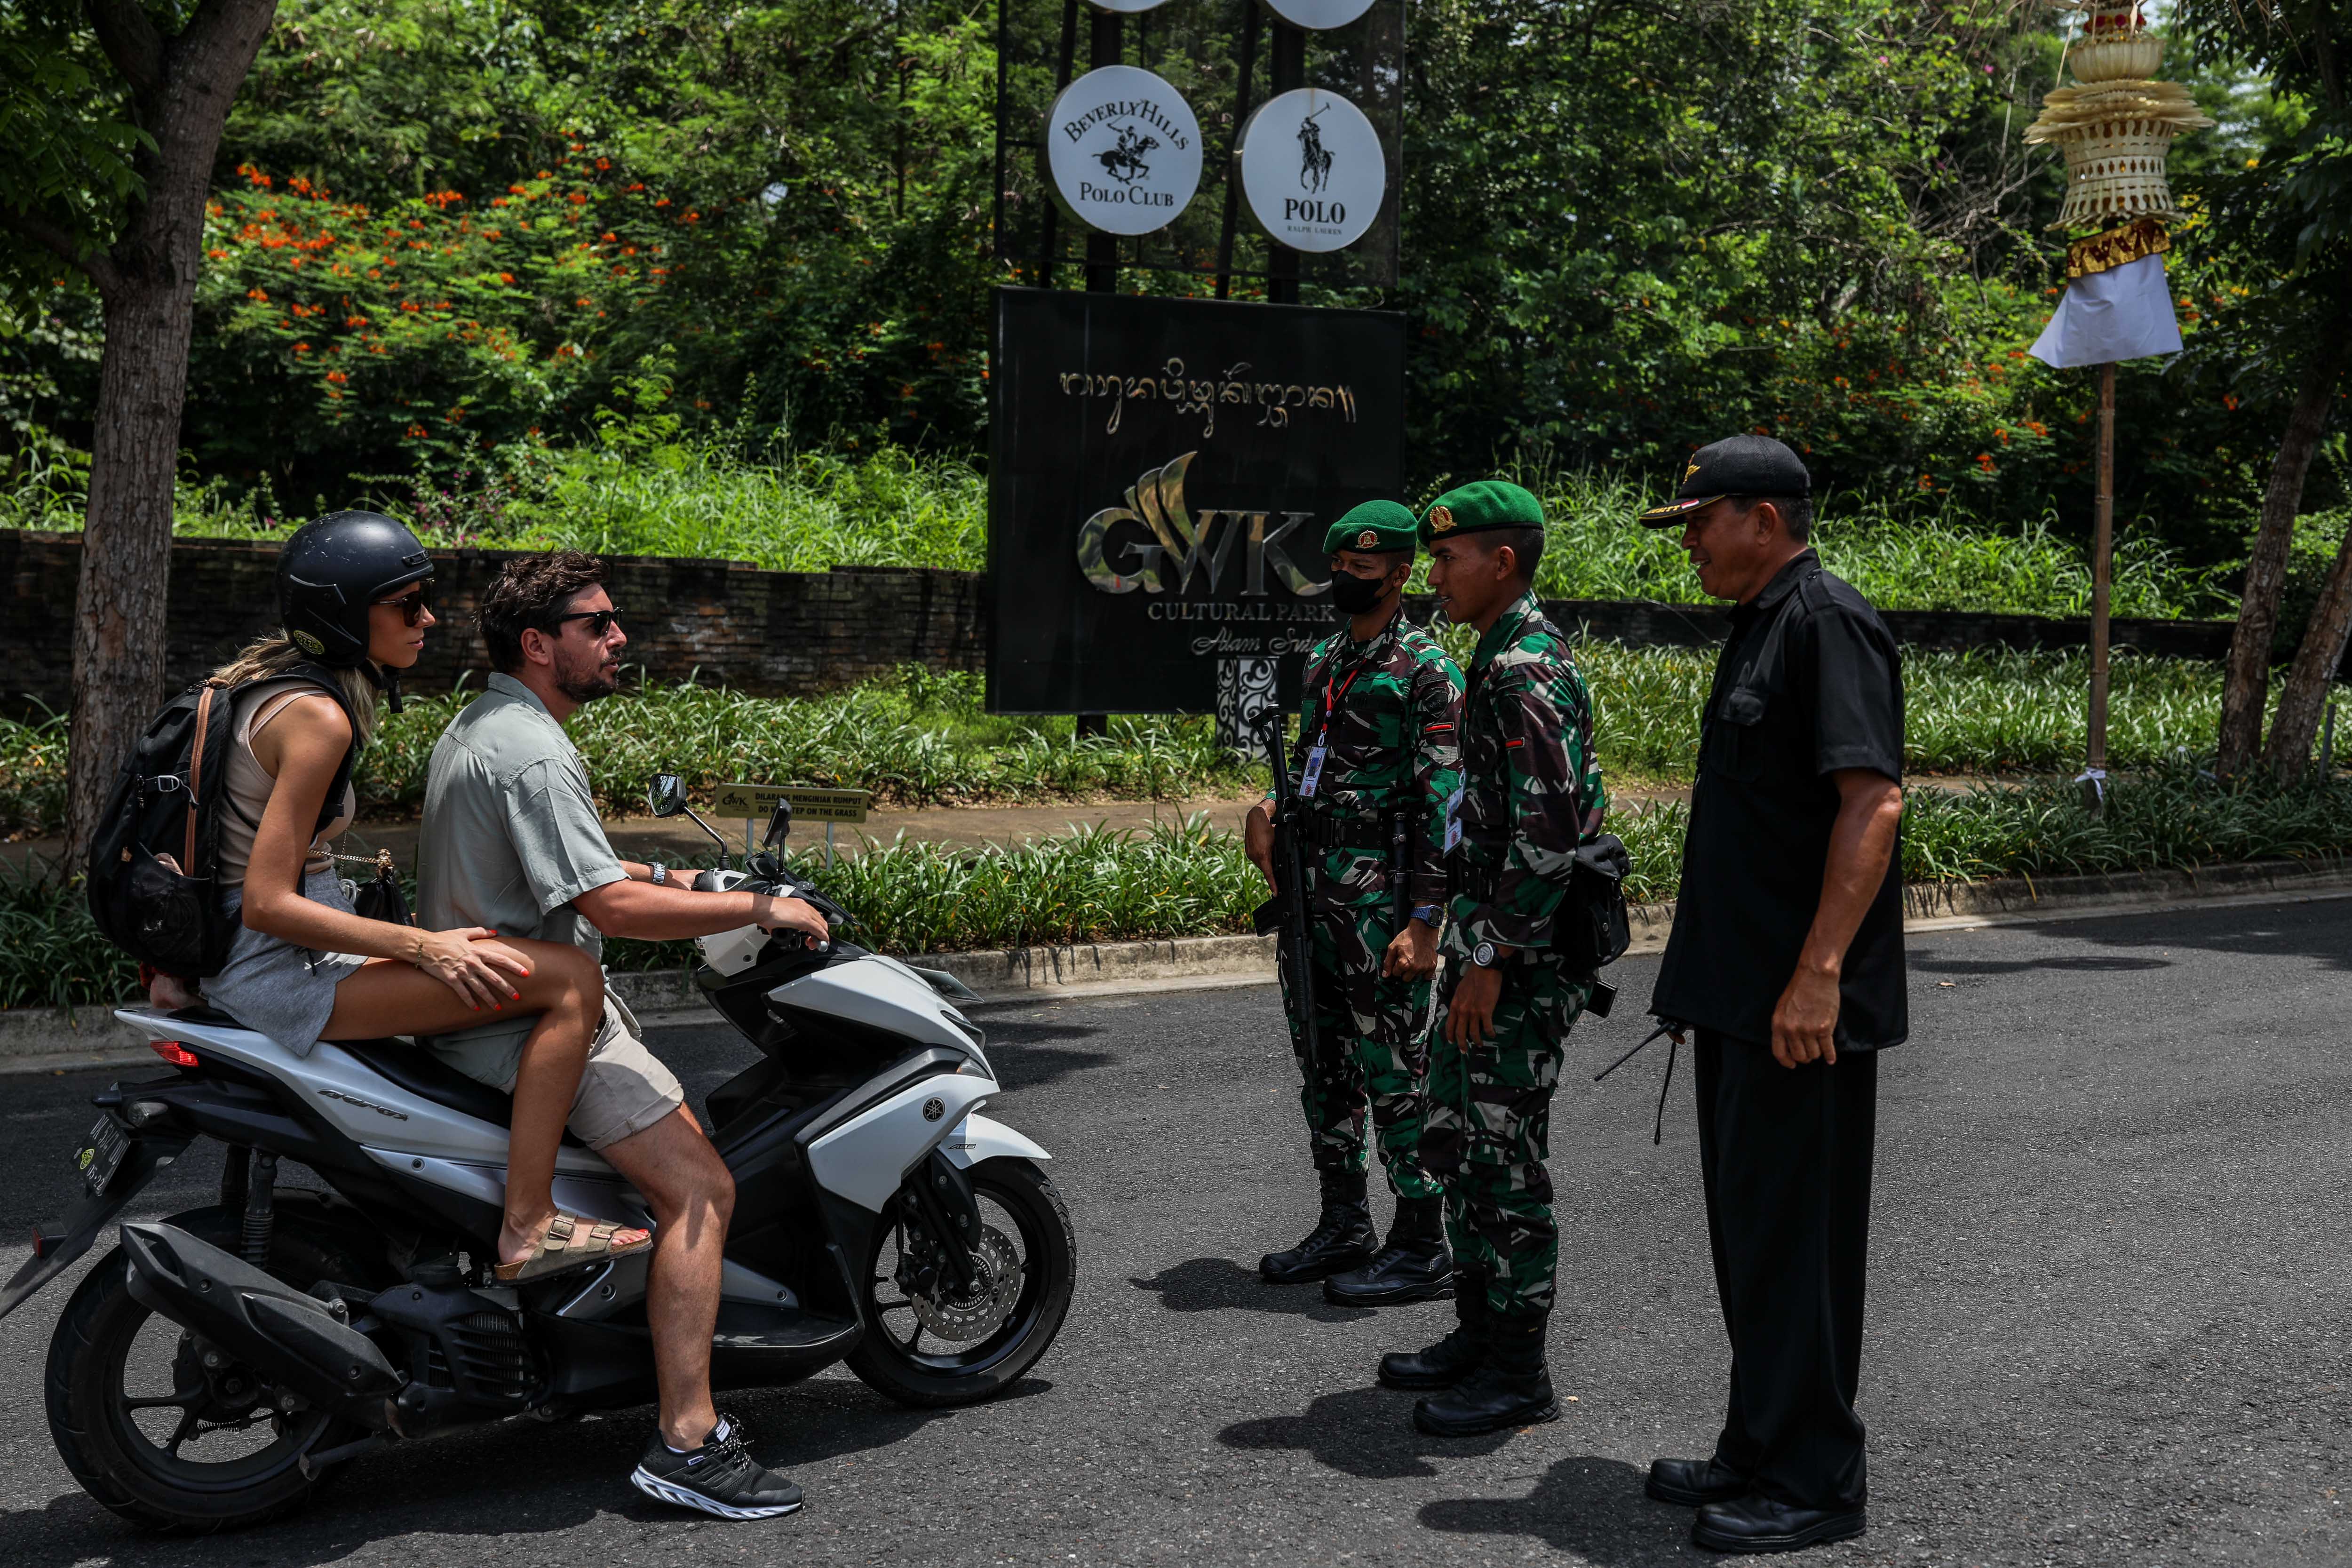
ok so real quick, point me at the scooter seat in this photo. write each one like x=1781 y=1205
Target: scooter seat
x=420 y=1072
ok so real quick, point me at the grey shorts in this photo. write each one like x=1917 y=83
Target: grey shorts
x=623 y=1089
x=285 y=991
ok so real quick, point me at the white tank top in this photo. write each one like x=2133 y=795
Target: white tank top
x=249 y=784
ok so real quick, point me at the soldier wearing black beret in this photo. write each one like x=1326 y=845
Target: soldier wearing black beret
x=1786 y=960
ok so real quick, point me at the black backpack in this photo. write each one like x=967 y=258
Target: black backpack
x=155 y=862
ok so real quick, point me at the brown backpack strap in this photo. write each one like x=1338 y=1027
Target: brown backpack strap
x=197 y=774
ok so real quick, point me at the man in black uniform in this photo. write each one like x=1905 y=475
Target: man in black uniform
x=1787 y=961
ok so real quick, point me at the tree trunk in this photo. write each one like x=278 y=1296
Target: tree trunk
x=2316 y=663
x=2246 y=682
x=118 y=645
x=183 y=87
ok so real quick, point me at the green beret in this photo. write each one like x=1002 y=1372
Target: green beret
x=1375 y=526
x=1473 y=508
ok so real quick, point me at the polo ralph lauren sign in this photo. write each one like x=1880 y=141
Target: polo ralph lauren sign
x=1162 y=474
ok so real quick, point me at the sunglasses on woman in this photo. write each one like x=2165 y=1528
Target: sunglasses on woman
x=411 y=606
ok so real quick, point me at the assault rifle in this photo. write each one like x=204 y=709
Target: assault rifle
x=1286 y=911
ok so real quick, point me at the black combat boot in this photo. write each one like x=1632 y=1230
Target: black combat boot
x=1413 y=1267
x=1342 y=1239
x=1510 y=1388
x=1455 y=1356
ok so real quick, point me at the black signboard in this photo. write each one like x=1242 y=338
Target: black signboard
x=1163 y=472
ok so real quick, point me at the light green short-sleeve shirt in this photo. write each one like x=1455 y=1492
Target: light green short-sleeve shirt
x=511 y=833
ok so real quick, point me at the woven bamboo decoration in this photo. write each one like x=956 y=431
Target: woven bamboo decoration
x=2115 y=125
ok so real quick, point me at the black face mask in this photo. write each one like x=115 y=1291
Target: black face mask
x=1355 y=594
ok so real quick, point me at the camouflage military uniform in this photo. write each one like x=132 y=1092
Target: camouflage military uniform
x=1532 y=792
x=1393 y=703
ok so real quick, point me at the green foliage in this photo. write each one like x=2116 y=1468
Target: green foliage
x=1098 y=884
x=51 y=954
x=32 y=775
x=919 y=739
x=1980 y=712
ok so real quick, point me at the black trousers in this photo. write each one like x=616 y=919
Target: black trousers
x=1785 y=1154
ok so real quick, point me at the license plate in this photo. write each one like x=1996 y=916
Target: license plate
x=100 y=1155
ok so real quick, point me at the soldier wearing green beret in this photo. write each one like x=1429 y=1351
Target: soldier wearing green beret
x=1531 y=795
x=1375 y=764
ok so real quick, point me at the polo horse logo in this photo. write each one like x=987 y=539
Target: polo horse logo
x=1125 y=161
x=1314 y=158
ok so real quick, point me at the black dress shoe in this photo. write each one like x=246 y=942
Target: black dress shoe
x=1688 y=1483
x=1415 y=1264
x=1511 y=1387
x=1755 y=1523
x=1342 y=1239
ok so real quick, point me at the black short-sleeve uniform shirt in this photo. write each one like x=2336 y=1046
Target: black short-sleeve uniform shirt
x=1809 y=684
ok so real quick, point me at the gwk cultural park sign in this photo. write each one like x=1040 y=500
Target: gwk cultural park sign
x=1163 y=470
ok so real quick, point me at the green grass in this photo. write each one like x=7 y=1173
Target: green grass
x=1102 y=885
x=644 y=491
x=1900 y=557
x=921 y=738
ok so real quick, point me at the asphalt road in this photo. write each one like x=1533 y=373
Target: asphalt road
x=2108 y=1317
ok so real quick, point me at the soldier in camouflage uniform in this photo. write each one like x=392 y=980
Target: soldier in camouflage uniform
x=1531 y=795
x=1375 y=765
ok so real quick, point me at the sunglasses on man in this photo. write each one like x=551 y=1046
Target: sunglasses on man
x=599 y=621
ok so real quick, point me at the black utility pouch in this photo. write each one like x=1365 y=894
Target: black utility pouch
x=1591 y=930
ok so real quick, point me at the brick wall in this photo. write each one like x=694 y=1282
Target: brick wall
x=768 y=631
x=778 y=632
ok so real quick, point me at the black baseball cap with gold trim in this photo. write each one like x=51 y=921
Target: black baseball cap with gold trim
x=1736 y=465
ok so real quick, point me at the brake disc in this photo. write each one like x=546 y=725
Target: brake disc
x=962 y=1316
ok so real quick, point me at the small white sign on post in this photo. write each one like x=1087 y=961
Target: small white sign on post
x=1313 y=170
x=1315 y=15
x=1122 y=151
x=752 y=802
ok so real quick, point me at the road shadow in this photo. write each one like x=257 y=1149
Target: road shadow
x=1591 y=1508
x=2090 y=964
x=1363 y=1432
x=514 y=1478
x=1219 y=1284
x=2314 y=930
x=1020 y=1064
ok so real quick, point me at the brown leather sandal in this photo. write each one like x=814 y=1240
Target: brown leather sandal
x=571 y=1242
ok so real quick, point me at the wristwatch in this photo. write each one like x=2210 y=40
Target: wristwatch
x=1428 y=914
x=1482 y=955
x=660 y=877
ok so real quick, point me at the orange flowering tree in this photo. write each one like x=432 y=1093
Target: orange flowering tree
x=436 y=326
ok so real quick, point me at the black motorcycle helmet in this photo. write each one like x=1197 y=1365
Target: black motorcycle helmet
x=330 y=571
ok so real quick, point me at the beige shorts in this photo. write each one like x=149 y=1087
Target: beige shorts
x=623 y=1089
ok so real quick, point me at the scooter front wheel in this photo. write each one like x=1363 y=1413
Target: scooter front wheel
x=939 y=1346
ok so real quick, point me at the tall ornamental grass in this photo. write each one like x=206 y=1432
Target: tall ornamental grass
x=644 y=488
x=1900 y=557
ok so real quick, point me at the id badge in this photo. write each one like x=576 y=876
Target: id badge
x=1453 y=820
x=1313 y=773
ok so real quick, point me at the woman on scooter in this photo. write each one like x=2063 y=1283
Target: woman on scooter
x=306 y=966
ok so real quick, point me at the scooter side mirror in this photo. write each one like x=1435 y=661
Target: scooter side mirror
x=666 y=795
x=780 y=823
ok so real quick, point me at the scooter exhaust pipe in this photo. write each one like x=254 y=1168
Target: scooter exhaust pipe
x=290 y=1339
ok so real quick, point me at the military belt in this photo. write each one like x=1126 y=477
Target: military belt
x=1367 y=835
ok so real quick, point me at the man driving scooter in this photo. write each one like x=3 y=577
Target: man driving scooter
x=512 y=841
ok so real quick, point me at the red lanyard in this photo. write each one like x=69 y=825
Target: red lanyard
x=1330 y=701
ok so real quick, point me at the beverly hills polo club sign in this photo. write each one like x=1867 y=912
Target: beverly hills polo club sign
x=1163 y=472
x=1123 y=150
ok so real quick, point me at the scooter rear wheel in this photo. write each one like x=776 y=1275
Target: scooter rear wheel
x=160 y=1434
x=1029 y=1230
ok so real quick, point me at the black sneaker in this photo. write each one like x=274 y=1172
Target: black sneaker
x=717 y=1478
